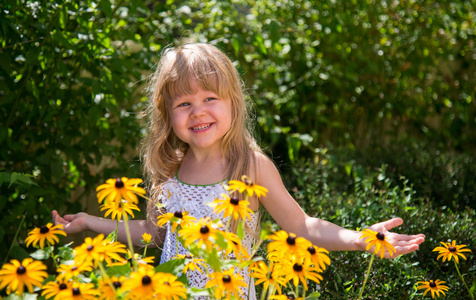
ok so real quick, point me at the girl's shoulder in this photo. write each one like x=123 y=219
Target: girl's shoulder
x=260 y=165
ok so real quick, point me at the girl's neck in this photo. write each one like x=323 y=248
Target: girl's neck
x=202 y=169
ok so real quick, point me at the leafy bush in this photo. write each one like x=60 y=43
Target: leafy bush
x=374 y=197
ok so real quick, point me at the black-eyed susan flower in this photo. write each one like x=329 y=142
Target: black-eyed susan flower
x=53 y=288
x=119 y=209
x=79 y=291
x=192 y=263
x=48 y=233
x=91 y=249
x=232 y=206
x=137 y=258
x=177 y=218
x=226 y=284
x=235 y=245
x=379 y=240
x=268 y=276
x=201 y=232
x=297 y=270
x=450 y=251
x=108 y=288
x=246 y=185
x=120 y=188
x=142 y=284
x=434 y=286
x=169 y=288
x=99 y=249
x=283 y=243
x=15 y=276
x=68 y=271
x=318 y=256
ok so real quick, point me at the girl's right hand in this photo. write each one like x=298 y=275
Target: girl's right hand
x=72 y=224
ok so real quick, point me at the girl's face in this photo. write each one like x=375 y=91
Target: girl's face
x=201 y=119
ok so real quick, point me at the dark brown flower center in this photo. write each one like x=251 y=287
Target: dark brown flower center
x=291 y=240
x=234 y=200
x=74 y=268
x=248 y=182
x=297 y=267
x=452 y=249
x=119 y=183
x=291 y=297
x=21 y=270
x=204 y=229
x=76 y=291
x=381 y=236
x=178 y=214
x=146 y=280
x=188 y=256
x=166 y=283
x=44 y=229
x=63 y=286
x=432 y=284
x=117 y=284
x=311 y=250
x=90 y=248
x=226 y=278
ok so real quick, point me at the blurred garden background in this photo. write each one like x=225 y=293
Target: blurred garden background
x=367 y=107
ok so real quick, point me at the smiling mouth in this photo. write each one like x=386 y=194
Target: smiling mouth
x=201 y=127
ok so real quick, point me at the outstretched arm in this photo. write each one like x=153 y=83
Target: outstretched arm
x=291 y=218
x=76 y=223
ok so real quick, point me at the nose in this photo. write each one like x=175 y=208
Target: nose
x=198 y=111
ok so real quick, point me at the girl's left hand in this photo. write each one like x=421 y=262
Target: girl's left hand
x=403 y=243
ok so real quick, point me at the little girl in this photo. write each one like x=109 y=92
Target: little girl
x=198 y=139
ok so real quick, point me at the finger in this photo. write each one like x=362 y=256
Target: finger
x=69 y=217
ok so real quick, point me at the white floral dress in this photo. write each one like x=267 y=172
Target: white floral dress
x=178 y=196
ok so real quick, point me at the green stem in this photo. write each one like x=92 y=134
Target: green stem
x=104 y=274
x=14 y=239
x=145 y=251
x=366 y=277
x=115 y=231
x=129 y=240
x=469 y=291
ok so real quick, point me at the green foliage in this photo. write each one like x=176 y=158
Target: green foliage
x=370 y=197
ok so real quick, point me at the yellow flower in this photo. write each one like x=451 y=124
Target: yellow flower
x=268 y=276
x=107 y=292
x=297 y=270
x=247 y=185
x=15 y=275
x=170 y=288
x=226 y=284
x=118 y=209
x=146 y=284
x=53 y=288
x=79 y=291
x=234 y=244
x=379 y=240
x=120 y=188
x=43 y=233
x=435 y=287
x=203 y=232
x=98 y=249
x=68 y=271
x=192 y=263
x=177 y=218
x=233 y=206
x=284 y=243
x=128 y=260
x=146 y=238
x=318 y=257
x=451 y=250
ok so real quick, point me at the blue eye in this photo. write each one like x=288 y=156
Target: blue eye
x=209 y=99
x=183 y=104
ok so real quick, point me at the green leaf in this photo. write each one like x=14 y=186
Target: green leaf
x=174 y=266
x=42 y=254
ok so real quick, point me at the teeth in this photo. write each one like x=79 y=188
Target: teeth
x=201 y=127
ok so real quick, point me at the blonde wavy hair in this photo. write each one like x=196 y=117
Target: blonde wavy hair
x=212 y=70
